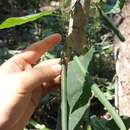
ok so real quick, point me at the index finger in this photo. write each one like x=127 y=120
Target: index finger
x=36 y=50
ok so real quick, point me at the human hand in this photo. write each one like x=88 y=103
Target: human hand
x=23 y=83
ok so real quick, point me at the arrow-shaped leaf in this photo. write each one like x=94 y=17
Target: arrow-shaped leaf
x=78 y=92
x=78 y=89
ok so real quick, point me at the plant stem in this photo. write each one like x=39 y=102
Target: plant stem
x=64 y=112
x=108 y=106
x=111 y=24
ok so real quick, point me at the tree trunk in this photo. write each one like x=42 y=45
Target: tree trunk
x=122 y=54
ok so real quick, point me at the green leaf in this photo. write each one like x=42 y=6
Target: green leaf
x=111 y=124
x=78 y=92
x=114 y=8
x=98 y=124
x=79 y=84
x=76 y=116
x=89 y=127
x=14 y=21
x=117 y=7
x=103 y=124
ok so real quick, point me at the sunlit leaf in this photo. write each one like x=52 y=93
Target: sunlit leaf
x=14 y=21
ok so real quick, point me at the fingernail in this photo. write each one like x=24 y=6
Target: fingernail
x=56 y=68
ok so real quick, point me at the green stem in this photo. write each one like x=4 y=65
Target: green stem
x=108 y=106
x=64 y=112
x=111 y=24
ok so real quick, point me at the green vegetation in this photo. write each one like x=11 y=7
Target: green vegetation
x=87 y=83
x=11 y=22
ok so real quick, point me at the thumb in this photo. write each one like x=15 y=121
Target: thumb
x=35 y=77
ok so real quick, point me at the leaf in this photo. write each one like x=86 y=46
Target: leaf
x=111 y=124
x=78 y=92
x=114 y=8
x=103 y=124
x=14 y=21
x=76 y=116
x=117 y=7
x=98 y=124
x=79 y=84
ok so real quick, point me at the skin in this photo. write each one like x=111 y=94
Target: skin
x=23 y=82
